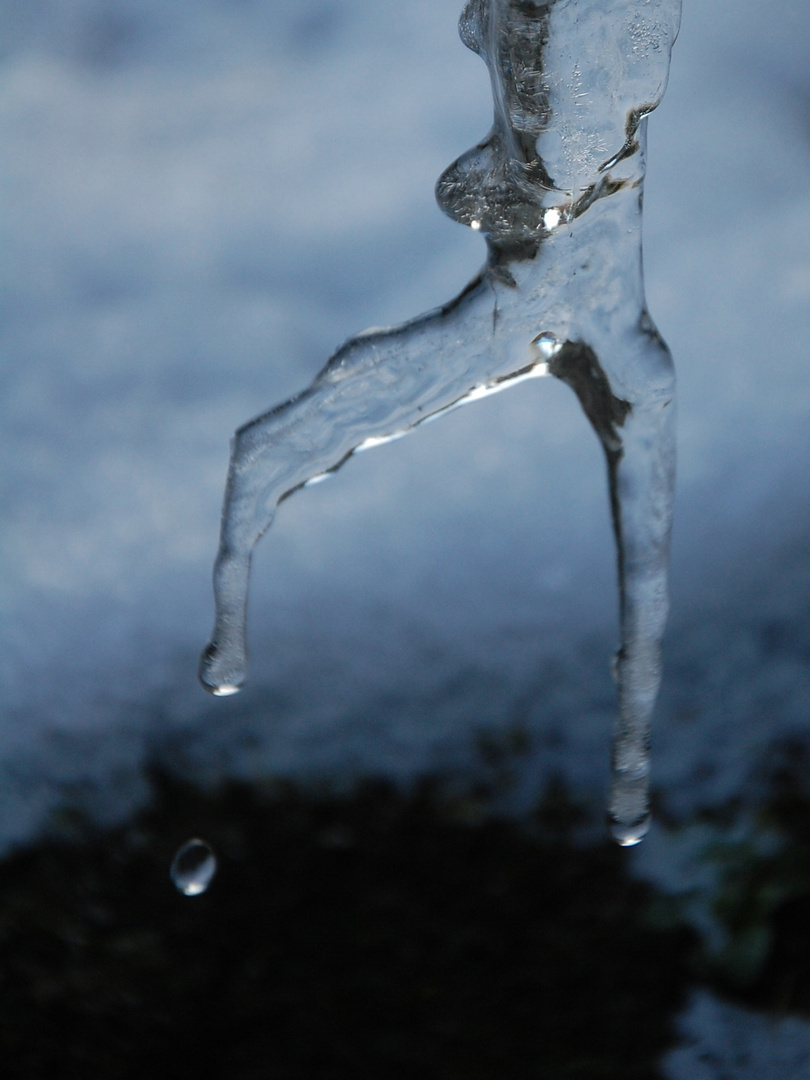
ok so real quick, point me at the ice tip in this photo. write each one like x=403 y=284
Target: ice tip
x=206 y=673
x=223 y=690
x=628 y=834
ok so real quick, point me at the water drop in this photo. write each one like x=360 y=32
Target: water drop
x=193 y=867
x=548 y=345
x=628 y=835
x=221 y=672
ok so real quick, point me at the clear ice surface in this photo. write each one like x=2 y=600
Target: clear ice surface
x=193 y=867
x=556 y=190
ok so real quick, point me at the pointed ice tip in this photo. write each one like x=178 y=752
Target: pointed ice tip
x=628 y=834
x=219 y=687
x=629 y=841
x=223 y=691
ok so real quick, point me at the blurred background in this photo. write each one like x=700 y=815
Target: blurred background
x=200 y=202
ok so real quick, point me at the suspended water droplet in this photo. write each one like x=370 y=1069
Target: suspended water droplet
x=629 y=809
x=548 y=345
x=193 y=867
x=221 y=676
x=629 y=835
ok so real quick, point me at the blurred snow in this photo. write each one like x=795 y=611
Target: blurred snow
x=721 y=1040
x=199 y=203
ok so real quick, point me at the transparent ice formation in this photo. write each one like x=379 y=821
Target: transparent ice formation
x=556 y=190
x=193 y=868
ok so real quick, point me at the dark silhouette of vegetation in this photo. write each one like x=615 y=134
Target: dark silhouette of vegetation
x=763 y=897
x=375 y=934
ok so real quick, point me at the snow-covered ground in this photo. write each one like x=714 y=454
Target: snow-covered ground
x=199 y=203
x=721 y=1040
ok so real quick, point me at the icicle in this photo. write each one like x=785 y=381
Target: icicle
x=556 y=190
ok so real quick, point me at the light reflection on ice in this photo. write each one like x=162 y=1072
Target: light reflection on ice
x=552 y=218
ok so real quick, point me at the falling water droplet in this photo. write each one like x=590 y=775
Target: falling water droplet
x=548 y=345
x=193 y=867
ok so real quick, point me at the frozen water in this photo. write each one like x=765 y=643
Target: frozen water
x=556 y=189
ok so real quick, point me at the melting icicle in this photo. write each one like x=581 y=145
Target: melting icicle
x=556 y=190
x=193 y=868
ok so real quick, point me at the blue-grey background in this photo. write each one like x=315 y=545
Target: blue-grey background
x=200 y=201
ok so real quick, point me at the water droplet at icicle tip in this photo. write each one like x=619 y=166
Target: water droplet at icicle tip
x=629 y=835
x=225 y=690
x=222 y=678
x=193 y=867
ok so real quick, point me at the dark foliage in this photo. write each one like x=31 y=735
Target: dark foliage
x=373 y=935
x=767 y=896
